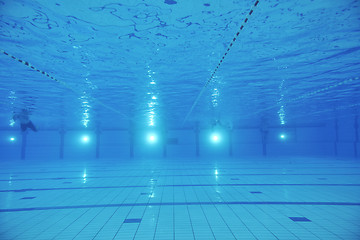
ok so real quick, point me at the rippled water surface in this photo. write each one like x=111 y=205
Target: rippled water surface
x=116 y=63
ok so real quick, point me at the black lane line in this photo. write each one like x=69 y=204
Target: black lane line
x=179 y=204
x=185 y=185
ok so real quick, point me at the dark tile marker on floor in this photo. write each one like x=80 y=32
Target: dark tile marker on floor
x=66 y=182
x=24 y=198
x=299 y=219
x=322 y=178
x=170 y=2
x=144 y=193
x=255 y=192
x=234 y=179
x=132 y=220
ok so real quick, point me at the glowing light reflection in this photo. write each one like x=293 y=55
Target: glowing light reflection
x=12 y=98
x=214 y=97
x=281 y=111
x=84 y=176
x=11 y=122
x=85 y=110
x=152 y=101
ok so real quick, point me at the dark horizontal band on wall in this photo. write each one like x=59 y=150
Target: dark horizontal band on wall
x=186 y=175
x=184 y=185
x=203 y=169
x=178 y=204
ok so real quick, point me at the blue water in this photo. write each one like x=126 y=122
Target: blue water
x=173 y=119
x=289 y=56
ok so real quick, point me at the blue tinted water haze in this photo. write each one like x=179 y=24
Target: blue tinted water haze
x=171 y=119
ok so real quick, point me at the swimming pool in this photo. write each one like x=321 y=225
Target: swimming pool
x=179 y=119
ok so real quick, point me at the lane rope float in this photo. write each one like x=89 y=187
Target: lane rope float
x=32 y=67
x=221 y=60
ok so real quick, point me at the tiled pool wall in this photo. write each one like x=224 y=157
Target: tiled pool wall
x=332 y=138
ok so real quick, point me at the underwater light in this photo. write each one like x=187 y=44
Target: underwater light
x=215 y=138
x=282 y=136
x=12 y=139
x=85 y=139
x=152 y=138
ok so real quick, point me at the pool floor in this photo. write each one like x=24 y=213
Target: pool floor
x=250 y=198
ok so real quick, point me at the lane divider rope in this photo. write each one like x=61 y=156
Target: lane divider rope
x=29 y=65
x=221 y=60
x=304 y=96
x=344 y=107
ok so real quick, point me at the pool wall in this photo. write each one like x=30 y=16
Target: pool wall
x=332 y=138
